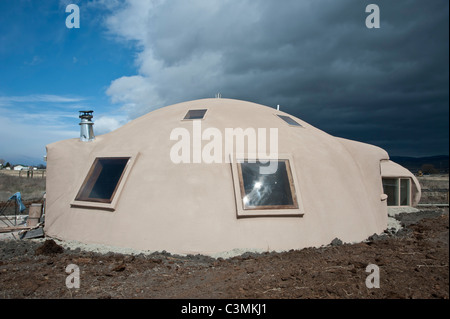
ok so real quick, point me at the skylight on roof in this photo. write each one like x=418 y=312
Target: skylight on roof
x=195 y=114
x=289 y=120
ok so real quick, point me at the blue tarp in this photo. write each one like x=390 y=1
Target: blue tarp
x=18 y=199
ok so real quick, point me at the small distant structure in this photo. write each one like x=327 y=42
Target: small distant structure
x=20 y=167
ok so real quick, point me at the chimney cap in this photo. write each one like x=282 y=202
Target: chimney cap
x=86 y=114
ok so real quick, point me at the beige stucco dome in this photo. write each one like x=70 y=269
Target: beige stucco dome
x=335 y=185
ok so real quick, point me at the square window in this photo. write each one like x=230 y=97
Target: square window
x=289 y=120
x=103 y=179
x=195 y=114
x=266 y=191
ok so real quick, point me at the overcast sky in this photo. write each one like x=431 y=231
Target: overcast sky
x=385 y=86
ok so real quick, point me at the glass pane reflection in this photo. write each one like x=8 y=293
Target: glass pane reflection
x=267 y=190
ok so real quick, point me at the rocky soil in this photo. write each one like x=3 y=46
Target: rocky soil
x=412 y=263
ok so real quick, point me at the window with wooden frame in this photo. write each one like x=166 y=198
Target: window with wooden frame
x=195 y=114
x=266 y=191
x=103 y=179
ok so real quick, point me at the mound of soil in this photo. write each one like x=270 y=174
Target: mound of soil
x=412 y=263
x=49 y=248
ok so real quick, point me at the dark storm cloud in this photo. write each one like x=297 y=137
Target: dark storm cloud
x=317 y=59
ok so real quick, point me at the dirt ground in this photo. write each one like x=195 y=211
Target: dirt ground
x=412 y=263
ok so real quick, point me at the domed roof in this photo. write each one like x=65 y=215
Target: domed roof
x=185 y=184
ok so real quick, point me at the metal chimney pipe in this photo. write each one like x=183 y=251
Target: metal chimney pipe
x=86 y=126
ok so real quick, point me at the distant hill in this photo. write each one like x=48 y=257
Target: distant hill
x=440 y=162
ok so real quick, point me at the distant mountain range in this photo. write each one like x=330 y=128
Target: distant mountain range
x=414 y=164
